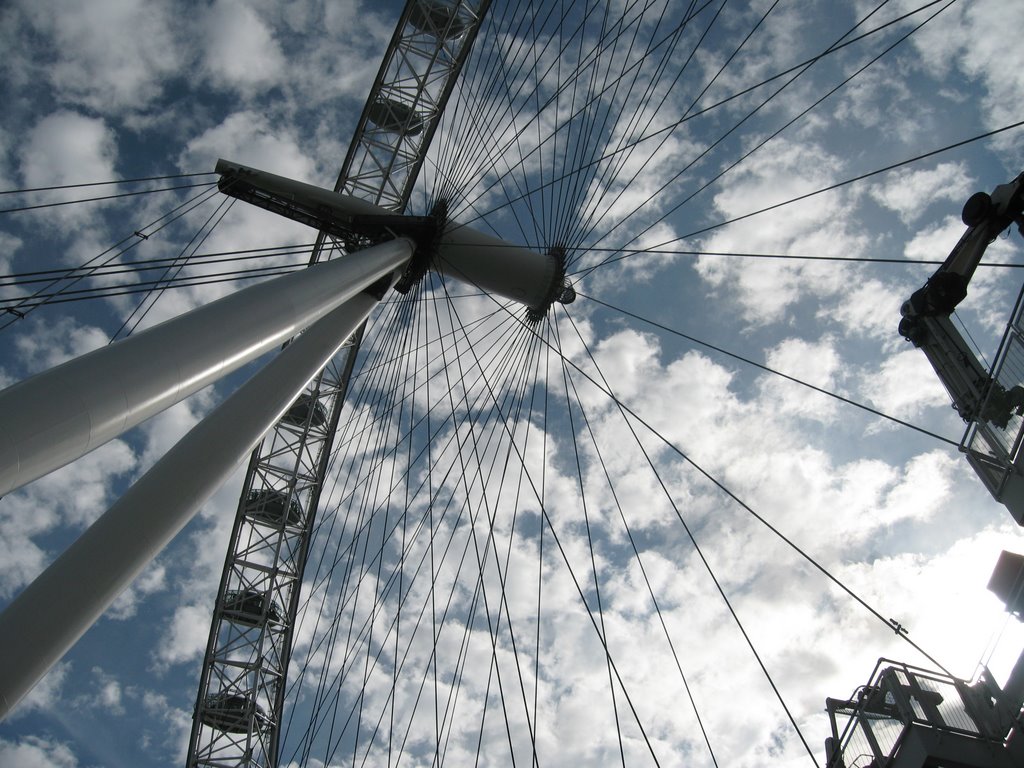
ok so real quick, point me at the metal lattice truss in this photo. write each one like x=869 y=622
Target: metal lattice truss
x=243 y=685
x=243 y=682
x=427 y=51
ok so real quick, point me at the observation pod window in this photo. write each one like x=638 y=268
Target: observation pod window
x=233 y=713
x=247 y=607
x=306 y=409
x=437 y=18
x=268 y=506
x=395 y=116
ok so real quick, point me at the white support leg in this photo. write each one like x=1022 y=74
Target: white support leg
x=59 y=415
x=55 y=610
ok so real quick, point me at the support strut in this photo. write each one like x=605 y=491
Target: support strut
x=49 y=616
x=59 y=415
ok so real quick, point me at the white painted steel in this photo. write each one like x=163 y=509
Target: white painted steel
x=57 y=416
x=45 y=620
x=496 y=267
x=335 y=204
x=464 y=253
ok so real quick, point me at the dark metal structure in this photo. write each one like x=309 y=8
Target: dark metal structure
x=908 y=717
x=991 y=402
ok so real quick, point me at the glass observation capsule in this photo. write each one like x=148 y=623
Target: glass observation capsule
x=269 y=506
x=233 y=712
x=395 y=116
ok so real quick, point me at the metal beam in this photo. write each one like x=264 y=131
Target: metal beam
x=49 y=616
x=461 y=252
x=59 y=415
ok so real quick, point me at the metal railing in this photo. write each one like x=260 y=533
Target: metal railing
x=901 y=697
x=992 y=441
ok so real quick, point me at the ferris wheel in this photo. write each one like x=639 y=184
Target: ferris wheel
x=508 y=517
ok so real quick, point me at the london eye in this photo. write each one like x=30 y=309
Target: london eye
x=654 y=517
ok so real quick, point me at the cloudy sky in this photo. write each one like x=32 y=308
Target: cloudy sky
x=546 y=519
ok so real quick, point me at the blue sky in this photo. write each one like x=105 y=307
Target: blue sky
x=121 y=90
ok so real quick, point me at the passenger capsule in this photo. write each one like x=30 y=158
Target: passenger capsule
x=437 y=18
x=268 y=506
x=246 y=607
x=233 y=712
x=306 y=409
x=395 y=116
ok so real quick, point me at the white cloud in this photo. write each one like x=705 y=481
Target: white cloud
x=942 y=599
x=107 y=55
x=73 y=495
x=67 y=147
x=9 y=247
x=21 y=559
x=36 y=752
x=878 y=101
x=749 y=444
x=904 y=385
x=997 y=66
x=249 y=138
x=46 y=344
x=49 y=692
x=108 y=695
x=189 y=629
x=819 y=226
x=935 y=242
x=910 y=192
x=174 y=723
x=870 y=308
x=240 y=50
x=816 y=363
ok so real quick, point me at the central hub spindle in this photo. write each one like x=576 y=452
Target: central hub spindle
x=533 y=279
